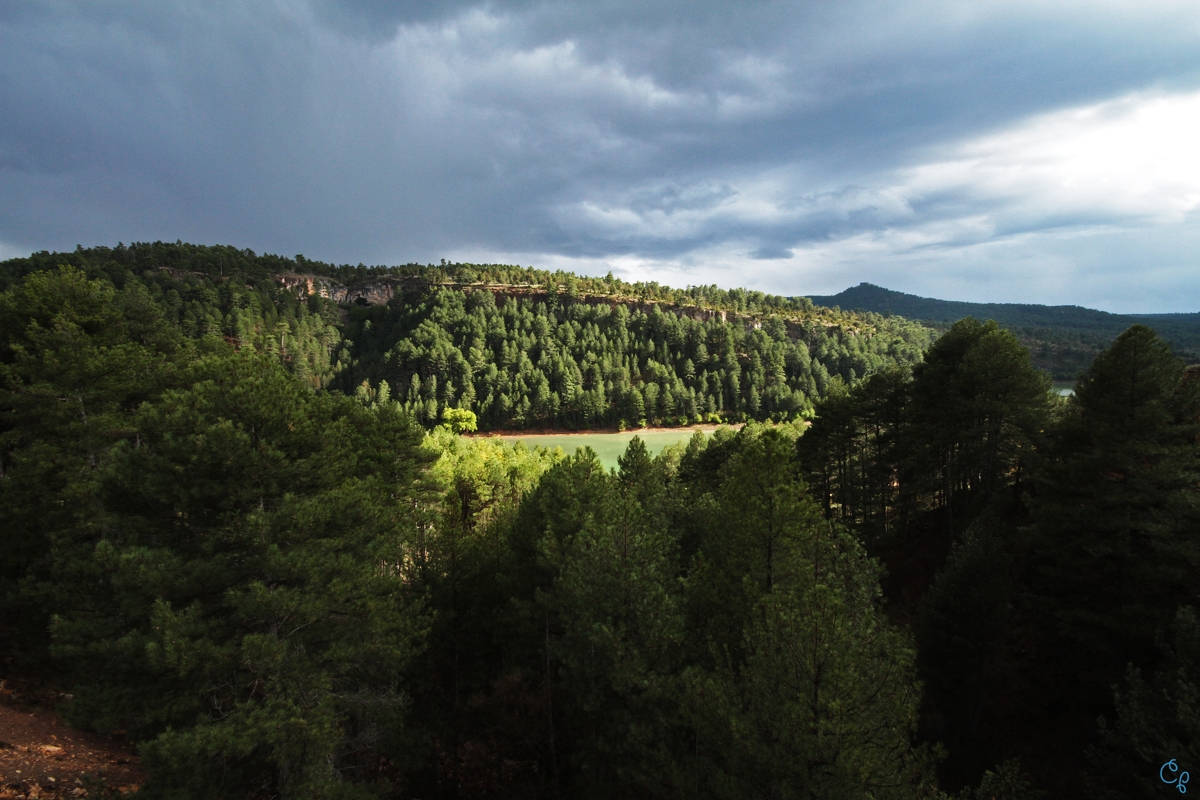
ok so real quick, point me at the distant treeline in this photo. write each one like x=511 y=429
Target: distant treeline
x=1062 y=339
x=216 y=292
x=223 y=261
x=546 y=360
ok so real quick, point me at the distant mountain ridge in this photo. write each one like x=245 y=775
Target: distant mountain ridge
x=1063 y=339
x=869 y=297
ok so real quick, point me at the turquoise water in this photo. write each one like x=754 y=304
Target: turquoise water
x=608 y=446
x=1064 y=388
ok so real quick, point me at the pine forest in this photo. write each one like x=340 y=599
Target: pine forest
x=254 y=528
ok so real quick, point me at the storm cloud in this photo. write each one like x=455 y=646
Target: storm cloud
x=1040 y=152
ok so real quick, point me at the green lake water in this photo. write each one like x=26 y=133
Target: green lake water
x=1064 y=388
x=608 y=446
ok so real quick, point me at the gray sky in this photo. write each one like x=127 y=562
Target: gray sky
x=1007 y=151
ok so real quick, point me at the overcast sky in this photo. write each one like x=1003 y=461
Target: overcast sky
x=1017 y=152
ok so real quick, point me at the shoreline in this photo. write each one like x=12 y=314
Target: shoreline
x=536 y=432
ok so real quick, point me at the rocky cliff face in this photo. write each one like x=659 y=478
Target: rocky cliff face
x=380 y=292
x=374 y=293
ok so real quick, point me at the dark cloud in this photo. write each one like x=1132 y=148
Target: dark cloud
x=666 y=131
x=770 y=253
x=378 y=19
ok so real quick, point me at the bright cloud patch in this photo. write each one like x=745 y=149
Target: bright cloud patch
x=1133 y=159
x=1015 y=202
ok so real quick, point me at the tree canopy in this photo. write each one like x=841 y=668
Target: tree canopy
x=255 y=531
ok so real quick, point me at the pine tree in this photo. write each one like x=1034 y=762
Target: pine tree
x=977 y=407
x=759 y=514
x=618 y=605
x=1117 y=506
x=77 y=357
x=255 y=617
x=823 y=705
x=1157 y=721
x=960 y=631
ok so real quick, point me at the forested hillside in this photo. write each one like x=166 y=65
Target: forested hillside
x=520 y=362
x=953 y=581
x=282 y=592
x=1062 y=339
x=519 y=348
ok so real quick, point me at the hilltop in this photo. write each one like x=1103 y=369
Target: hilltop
x=376 y=284
x=1062 y=339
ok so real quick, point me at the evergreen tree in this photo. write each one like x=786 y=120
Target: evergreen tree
x=824 y=703
x=960 y=632
x=977 y=407
x=618 y=604
x=460 y=558
x=1007 y=782
x=1157 y=721
x=750 y=546
x=1118 y=505
x=77 y=357
x=254 y=616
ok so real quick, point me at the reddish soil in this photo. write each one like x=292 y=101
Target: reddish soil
x=40 y=757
